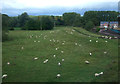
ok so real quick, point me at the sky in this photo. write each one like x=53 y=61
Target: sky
x=55 y=7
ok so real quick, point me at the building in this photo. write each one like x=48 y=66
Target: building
x=104 y=24
x=113 y=24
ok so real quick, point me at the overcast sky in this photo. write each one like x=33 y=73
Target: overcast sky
x=55 y=7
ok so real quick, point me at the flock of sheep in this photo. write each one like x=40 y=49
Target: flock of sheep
x=63 y=43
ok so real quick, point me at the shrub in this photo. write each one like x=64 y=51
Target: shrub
x=89 y=25
x=97 y=29
x=46 y=23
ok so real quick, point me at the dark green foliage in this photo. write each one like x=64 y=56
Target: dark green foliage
x=89 y=25
x=97 y=29
x=78 y=21
x=69 y=18
x=14 y=22
x=97 y=16
x=5 y=26
x=46 y=23
x=23 y=18
x=32 y=25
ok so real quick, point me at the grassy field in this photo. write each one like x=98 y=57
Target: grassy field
x=76 y=48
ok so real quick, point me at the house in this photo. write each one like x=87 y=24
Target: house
x=104 y=24
x=113 y=24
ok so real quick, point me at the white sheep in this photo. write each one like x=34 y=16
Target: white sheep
x=105 y=52
x=62 y=51
x=59 y=63
x=56 y=48
x=35 y=58
x=62 y=59
x=90 y=54
x=63 y=43
x=101 y=73
x=106 y=41
x=90 y=40
x=38 y=41
x=96 y=74
x=54 y=55
x=96 y=41
x=102 y=36
x=4 y=76
x=87 y=62
x=75 y=43
x=58 y=75
x=110 y=37
x=34 y=41
x=22 y=48
x=8 y=63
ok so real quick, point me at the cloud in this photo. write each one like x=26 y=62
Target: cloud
x=55 y=7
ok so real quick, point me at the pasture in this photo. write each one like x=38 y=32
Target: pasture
x=24 y=55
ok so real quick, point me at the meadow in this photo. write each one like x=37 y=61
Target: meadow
x=69 y=43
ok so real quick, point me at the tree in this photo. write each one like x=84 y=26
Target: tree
x=23 y=18
x=46 y=23
x=32 y=24
x=5 y=26
x=89 y=25
x=69 y=18
x=78 y=21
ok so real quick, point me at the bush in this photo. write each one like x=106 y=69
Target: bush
x=46 y=23
x=97 y=29
x=89 y=25
x=5 y=27
x=32 y=25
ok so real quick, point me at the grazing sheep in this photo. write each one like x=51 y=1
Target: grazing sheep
x=96 y=41
x=71 y=33
x=34 y=41
x=96 y=74
x=38 y=41
x=50 y=40
x=58 y=75
x=90 y=40
x=87 y=62
x=35 y=58
x=8 y=63
x=54 y=55
x=106 y=41
x=105 y=52
x=101 y=73
x=106 y=37
x=62 y=59
x=110 y=37
x=115 y=37
x=56 y=49
x=75 y=43
x=4 y=76
x=63 y=43
x=44 y=62
x=59 y=64
x=79 y=45
x=22 y=48
x=102 y=36
x=30 y=36
x=90 y=54
x=62 y=51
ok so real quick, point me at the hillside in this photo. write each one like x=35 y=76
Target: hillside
x=69 y=43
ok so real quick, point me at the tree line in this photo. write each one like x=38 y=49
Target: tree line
x=89 y=20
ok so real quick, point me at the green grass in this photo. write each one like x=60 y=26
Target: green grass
x=24 y=68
